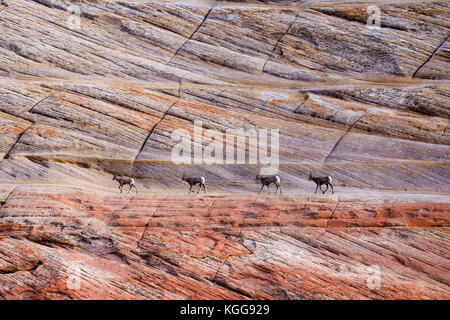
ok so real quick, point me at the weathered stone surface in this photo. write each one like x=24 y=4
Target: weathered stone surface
x=173 y=246
x=370 y=107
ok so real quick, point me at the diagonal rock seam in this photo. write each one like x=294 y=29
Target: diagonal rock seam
x=278 y=41
x=340 y=139
x=223 y=284
x=431 y=56
x=226 y=259
x=230 y=256
x=154 y=127
x=146 y=226
x=37 y=103
x=193 y=33
x=6 y=200
x=332 y=213
x=7 y=154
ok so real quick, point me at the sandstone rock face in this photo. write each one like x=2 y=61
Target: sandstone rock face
x=221 y=247
x=93 y=88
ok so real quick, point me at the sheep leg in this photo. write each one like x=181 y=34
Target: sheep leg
x=261 y=189
x=204 y=188
x=317 y=186
x=332 y=190
x=325 y=189
x=199 y=188
x=280 y=189
x=190 y=189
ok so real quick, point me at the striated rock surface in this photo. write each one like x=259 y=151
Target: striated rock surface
x=82 y=100
x=221 y=247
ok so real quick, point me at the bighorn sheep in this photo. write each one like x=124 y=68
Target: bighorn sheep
x=266 y=181
x=193 y=181
x=320 y=181
x=123 y=181
x=3 y=3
